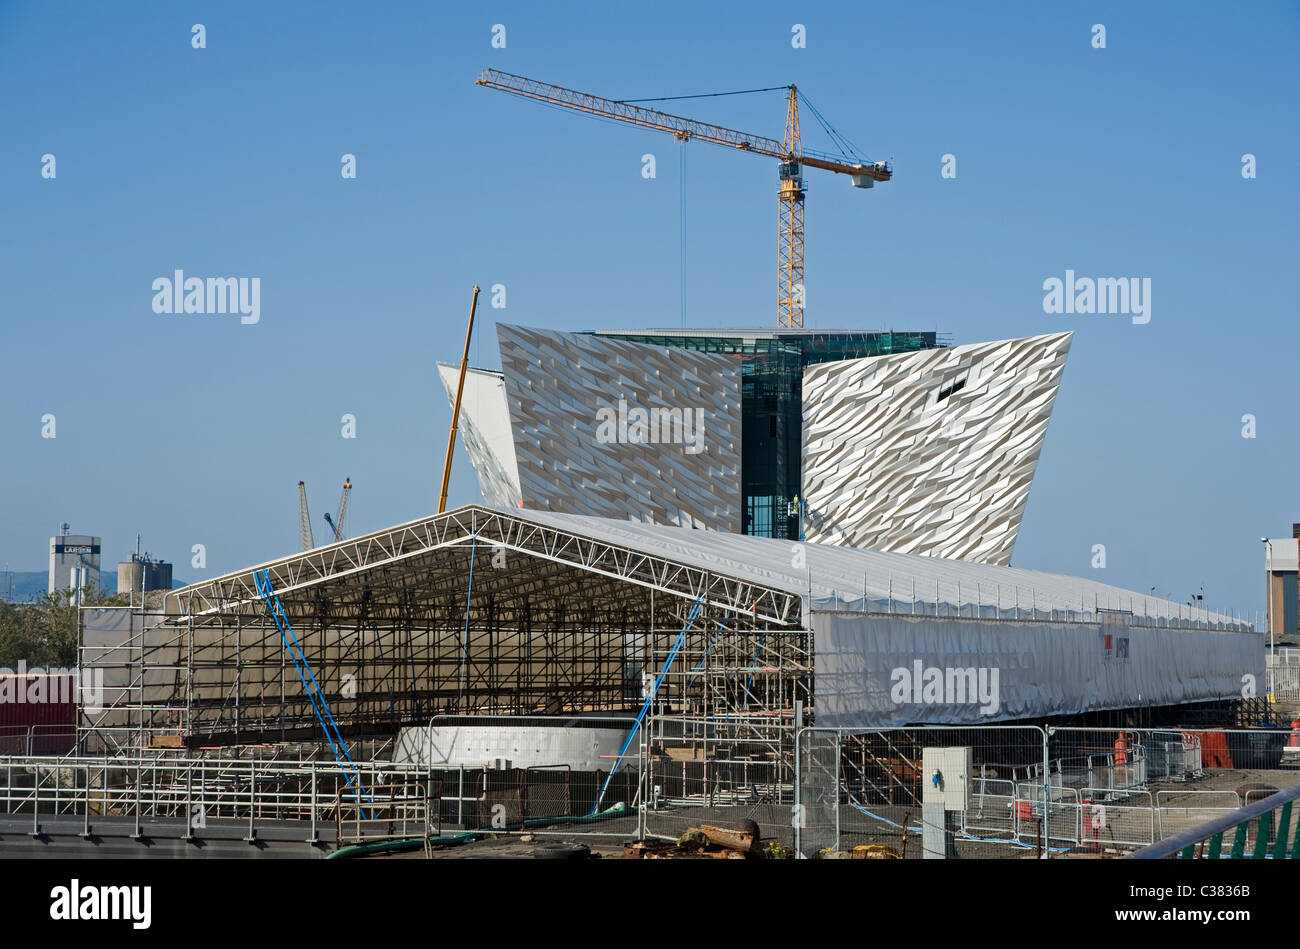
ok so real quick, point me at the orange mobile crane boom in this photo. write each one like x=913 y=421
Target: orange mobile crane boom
x=790 y=152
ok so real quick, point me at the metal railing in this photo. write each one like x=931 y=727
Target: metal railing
x=1053 y=790
x=1105 y=790
x=403 y=809
x=865 y=788
x=193 y=791
x=1283 y=666
x=37 y=739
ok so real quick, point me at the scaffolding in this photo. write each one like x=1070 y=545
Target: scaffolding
x=472 y=612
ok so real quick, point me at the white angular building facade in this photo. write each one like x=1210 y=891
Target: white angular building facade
x=930 y=451
x=583 y=425
x=485 y=432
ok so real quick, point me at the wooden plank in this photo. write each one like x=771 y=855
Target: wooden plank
x=731 y=839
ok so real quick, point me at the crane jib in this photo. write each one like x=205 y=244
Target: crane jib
x=790 y=152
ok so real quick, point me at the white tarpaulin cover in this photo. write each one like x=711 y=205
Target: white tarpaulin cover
x=831 y=577
x=878 y=670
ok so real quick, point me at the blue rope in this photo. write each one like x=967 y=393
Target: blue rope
x=469 y=595
x=713 y=642
x=750 y=684
x=649 y=700
x=339 y=747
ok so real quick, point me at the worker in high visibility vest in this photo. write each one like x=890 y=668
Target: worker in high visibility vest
x=1121 y=749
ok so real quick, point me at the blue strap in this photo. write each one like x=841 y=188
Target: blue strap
x=319 y=705
x=649 y=701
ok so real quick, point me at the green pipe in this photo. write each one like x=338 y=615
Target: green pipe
x=399 y=845
x=618 y=810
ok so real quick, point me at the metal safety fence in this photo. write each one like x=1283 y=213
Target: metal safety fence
x=1262 y=829
x=37 y=739
x=394 y=810
x=864 y=792
x=1050 y=792
x=1283 y=667
x=190 y=793
x=723 y=771
x=1025 y=791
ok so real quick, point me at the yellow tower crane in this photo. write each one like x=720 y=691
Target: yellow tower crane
x=790 y=152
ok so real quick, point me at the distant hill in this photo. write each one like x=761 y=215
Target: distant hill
x=19 y=586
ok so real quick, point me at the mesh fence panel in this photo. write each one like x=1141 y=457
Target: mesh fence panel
x=862 y=794
x=717 y=784
x=1151 y=784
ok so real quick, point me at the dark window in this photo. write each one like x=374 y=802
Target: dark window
x=955 y=387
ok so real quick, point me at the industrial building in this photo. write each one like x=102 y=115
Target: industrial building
x=142 y=574
x=1282 y=578
x=74 y=561
x=878 y=440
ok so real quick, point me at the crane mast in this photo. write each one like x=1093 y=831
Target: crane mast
x=343 y=508
x=789 y=249
x=336 y=523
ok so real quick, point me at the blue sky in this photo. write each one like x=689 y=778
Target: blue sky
x=225 y=161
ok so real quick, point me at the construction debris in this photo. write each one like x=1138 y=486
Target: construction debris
x=740 y=840
x=863 y=852
x=706 y=841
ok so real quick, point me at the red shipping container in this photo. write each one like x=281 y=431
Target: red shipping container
x=38 y=713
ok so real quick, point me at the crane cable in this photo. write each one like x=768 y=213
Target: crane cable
x=681 y=165
x=841 y=142
x=702 y=95
x=846 y=148
x=681 y=178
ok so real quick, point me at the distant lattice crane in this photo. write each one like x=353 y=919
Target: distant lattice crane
x=308 y=542
x=336 y=523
